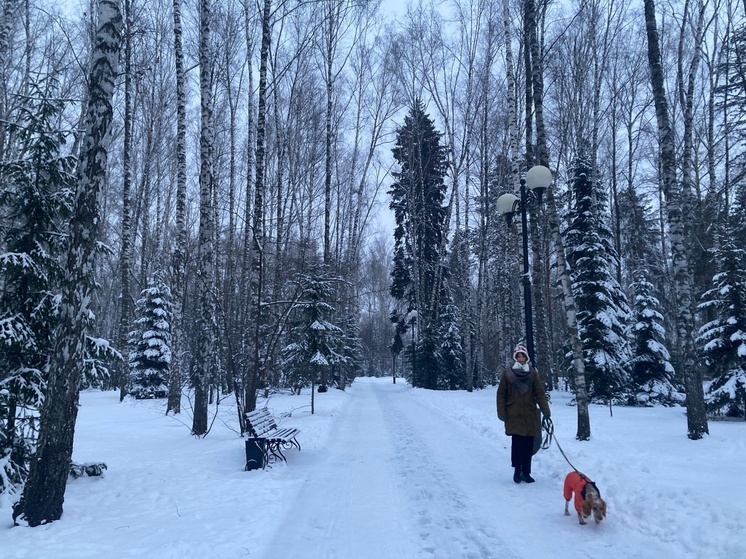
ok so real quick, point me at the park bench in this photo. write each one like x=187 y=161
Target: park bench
x=266 y=440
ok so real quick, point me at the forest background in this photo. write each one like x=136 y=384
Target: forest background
x=241 y=227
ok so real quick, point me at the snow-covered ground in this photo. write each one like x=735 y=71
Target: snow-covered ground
x=391 y=472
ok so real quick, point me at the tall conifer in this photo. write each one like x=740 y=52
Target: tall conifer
x=417 y=197
x=602 y=305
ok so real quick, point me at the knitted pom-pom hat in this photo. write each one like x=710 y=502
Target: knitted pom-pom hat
x=520 y=348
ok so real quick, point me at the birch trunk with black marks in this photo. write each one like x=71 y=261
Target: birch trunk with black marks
x=9 y=13
x=539 y=270
x=330 y=38
x=44 y=493
x=179 y=253
x=542 y=158
x=202 y=370
x=581 y=393
x=676 y=219
x=247 y=250
x=257 y=270
x=483 y=211
x=125 y=255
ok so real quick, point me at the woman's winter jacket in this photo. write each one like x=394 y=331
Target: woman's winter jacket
x=518 y=410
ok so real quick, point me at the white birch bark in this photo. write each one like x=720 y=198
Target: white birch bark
x=125 y=255
x=44 y=492
x=537 y=83
x=179 y=253
x=696 y=412
x=6 y=28
x=204 y=359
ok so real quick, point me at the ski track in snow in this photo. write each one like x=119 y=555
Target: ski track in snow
x=408 y=476
x=432 y=481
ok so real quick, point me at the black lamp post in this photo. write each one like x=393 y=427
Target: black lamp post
x=538 y=179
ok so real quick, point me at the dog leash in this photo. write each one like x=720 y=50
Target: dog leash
x=548 y=426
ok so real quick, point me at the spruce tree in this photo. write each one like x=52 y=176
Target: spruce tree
x=150 y=340
x=451 y=352
x=417 y=199
x=723 y=339
x=315 y=344
x=35 y=199
x=650 y=369
x=602 y=305
x=640 y=238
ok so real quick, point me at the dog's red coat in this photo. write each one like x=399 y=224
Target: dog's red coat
x=575 y=483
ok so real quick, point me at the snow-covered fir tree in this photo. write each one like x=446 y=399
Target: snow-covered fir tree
x=35 y=200
x=602 y=305
x=351 y=349
x=723 y=338
x=451 y=352
x=650 y=369
x=417 y=200
x=150 y=340
x=639 y=238
x=315 y=345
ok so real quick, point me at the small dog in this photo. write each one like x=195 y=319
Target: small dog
x=587 y=497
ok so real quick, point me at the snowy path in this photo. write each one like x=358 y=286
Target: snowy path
x=433 y=489
x=390 y=472
x=379 y=438
x=325 y=519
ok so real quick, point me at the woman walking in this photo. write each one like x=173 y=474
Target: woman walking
x=520 y=391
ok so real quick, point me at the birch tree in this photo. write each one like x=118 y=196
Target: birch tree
x=536 y=94
x=179 y=252
x=125 y=257
x=203 y=368
x=672 y=190
x=44 y=492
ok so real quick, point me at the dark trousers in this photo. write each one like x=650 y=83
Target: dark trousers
x=521 y=452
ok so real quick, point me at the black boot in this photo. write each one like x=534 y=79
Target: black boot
x=517 y=475
x=527 y=477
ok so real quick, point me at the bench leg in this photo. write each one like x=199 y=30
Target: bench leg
x=256 y=454
x=295 y=443
x=276 y=449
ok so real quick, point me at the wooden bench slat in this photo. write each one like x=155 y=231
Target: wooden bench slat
x=260 y=422
x=285 y=434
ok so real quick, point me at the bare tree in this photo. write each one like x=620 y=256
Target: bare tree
x=179 y=252
x=125 y=253
x=542 y=157
x=203 y=368
x=676 y=204
x=44 y=493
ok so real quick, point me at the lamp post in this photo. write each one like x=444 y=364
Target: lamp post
x=537 y=179
x=412 y=319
